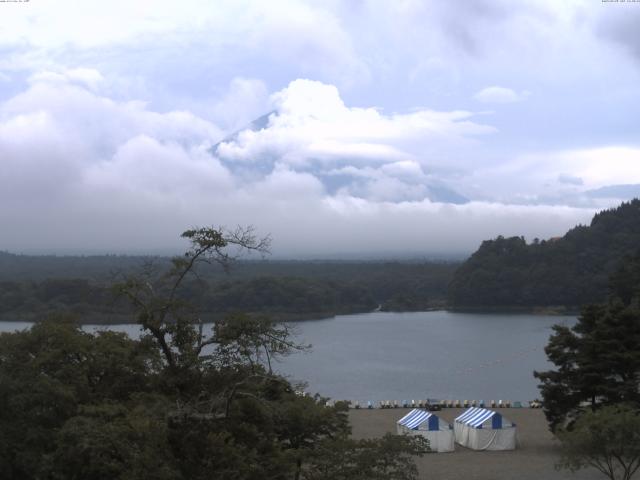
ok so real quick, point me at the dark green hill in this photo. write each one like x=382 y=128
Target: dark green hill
x=568 y=271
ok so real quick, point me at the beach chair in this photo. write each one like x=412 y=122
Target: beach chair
x=357 y=404
x=466 y=404
x=369 y=404
x=517 y=404
x=493 y=404
x=395 y=404
x=481 y=404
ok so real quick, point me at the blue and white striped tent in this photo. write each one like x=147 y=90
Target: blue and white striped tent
x=475 y=417
x=426 y=424
x=483 y=429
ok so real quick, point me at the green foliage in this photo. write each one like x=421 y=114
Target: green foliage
x=113 y=440
x=625 y=282
x=288 y=295
x=48 y=373
x=386 y=458
x=598 y=359
x=180 y=403
x=568 y=271
x=598 y=363
x=32 y=287
x=607 y=439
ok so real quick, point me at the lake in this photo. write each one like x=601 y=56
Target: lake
x=403 y=356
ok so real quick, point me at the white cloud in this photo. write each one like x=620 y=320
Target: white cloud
x=59 y=138
x=358 y=151
x=99 y=122
x=37 y=157
x=561 y=177
x=164 y=36
x=146 y=164
x=406 y=169
x=245 y=100
x=84 y=172
x=89 y=24
x=111 y=108
x=596 y=167
x=500 y=95
x=86 y=77
x=602 y=166
x=312 y=125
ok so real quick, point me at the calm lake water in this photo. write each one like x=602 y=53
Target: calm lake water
x=398 y=356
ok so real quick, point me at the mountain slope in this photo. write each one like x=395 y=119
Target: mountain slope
x=570 y=271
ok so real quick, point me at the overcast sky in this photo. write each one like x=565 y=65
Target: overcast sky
x=339 y=127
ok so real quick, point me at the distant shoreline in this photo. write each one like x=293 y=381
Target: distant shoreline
x=124 y=319
x=559 y=310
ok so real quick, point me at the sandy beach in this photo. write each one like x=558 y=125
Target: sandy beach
x=534 y=459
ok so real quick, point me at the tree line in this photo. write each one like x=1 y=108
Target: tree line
x=569 y=271
x=284 y=290
x=182 y=402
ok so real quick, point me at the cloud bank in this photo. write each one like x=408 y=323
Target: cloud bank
x=84 y=172
x=352 y=128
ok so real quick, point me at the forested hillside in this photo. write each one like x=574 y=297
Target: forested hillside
x=569 y=271
x=32 y=286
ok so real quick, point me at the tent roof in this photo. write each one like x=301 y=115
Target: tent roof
x=474 y=417
x=414 y=418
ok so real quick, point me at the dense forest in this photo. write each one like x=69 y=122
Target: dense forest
x=182 y=402
x=33 y=286
x=569 y=271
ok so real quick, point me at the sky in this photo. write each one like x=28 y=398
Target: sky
x=341 y=128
